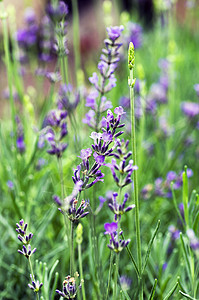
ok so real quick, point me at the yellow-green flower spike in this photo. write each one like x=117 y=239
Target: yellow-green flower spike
x=79 y=233
x=131 y=56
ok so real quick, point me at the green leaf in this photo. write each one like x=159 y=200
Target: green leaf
x=150 y=246
x=186 y=256
x=153 y=290
x=185 y=195
x=171 y=291
x=187 y=296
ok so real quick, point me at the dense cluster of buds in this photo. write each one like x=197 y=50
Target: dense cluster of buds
x=116 y=243
x=96 y=100
x=54 y=130
x=119 y=209
x=70 y=289
x=25 y=239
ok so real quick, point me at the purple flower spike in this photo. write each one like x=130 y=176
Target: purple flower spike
x=119 y=209
x=36 y=285
x=57 y=11
x=125 y=282
x=116 y=243
x=69 y=290
x=55 y=129
x=190 y=109
x=104 y=81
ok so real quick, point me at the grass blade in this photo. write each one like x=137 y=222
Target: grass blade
x=187 y=296
x=153 y=289
x=150 y=246
x=171 y=291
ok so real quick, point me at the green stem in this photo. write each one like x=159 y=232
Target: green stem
x=61 y=177
x=3 y=17
x=72 y=249
x=33 y=277
x=76 y=36
x=81 y=270
x=116 y=276
x=135 y=178
x=109 y=274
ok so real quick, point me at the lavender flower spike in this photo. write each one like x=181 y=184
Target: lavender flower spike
x=27 y=252
x=36 y=285
x=119 y=209
x=69 y=290
x=116 y=243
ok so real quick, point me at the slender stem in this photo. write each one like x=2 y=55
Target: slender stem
x=61 y=176
x=31 y=269
x=3 y=17
x=72 y=249
x=81 y=270
x=135 y=177
x=116 y=276
x=109 y=274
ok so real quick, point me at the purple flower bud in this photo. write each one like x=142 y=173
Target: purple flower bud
x=114 y=32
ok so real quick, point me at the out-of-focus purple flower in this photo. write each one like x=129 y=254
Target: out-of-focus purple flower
x=125 y=283
x=164 y=129
x=158 y=93
x=27 y=37
x=125 y=101
x=134 y=34
x=164 y=266
x=119 y=209
x=159 y=187
x=21 y=147
x=147 y=191
x=194 y=241
x=68 y=99
x=164 y=64
x=171 y=175
x=69 y=290
x=36 y=285
x=57 y=11
x=55 y=129
x=10 y=184
x=90 y=118
x=190 y=109
x=40 y=163
x=106 y=80
x=46 y=39
x=175 y=233
x=114 y=32
x=21 y=144
x=196 y=88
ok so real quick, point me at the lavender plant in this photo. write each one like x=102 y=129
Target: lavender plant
x=162 y=130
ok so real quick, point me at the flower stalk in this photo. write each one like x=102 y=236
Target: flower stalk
x=131 y=82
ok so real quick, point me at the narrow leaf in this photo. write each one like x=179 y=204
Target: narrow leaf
x=171 y=291
x=185 y=193
x=153 y=290
x=185 y=255
x=150 y=246
x=187 y=296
